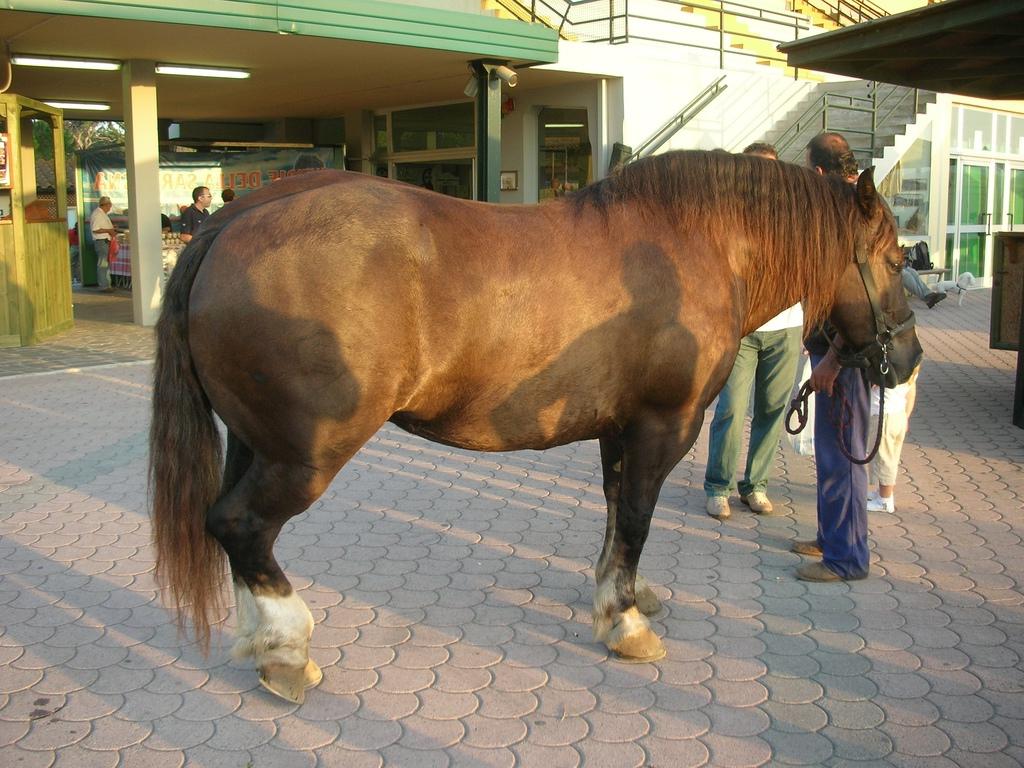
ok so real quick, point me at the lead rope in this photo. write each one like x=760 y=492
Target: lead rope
x=799 y=405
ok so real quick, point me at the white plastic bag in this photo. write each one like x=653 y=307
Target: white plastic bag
x=803 y=441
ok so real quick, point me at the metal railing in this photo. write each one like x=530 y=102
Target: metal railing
x=881 y=103
x=844 y=12
x=610 y=21
x=613 y=21
x=784 y=25
x=551 y=14
x=681 y=118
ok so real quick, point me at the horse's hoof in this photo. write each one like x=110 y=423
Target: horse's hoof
x=290 y=683
x=312 y=675
x=640 y=648
x=633 y=641
x=646 y=601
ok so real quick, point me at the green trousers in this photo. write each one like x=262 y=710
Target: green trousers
x=766 y=363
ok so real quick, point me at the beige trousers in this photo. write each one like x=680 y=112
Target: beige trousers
x=885 y=466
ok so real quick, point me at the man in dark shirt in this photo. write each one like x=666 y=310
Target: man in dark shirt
x=842 y=540
x=194 y=216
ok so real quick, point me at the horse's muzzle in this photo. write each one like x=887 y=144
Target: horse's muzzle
x=891 y=358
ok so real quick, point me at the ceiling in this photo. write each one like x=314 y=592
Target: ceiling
x=966 y=47
x=295 y=76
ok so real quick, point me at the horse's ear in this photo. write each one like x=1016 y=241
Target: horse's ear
x=867 y=195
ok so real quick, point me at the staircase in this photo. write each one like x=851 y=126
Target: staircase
x=745 y=31
x=832 y=14
x=737 y=25
x=869 y=115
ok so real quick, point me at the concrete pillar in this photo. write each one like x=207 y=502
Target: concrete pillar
x=142 y=160
x=360 y=141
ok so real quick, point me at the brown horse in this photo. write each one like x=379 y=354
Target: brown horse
x=310 y=313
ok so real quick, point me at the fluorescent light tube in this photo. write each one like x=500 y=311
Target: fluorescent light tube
x=189 y=71
x=93 y=106
x=47 y=61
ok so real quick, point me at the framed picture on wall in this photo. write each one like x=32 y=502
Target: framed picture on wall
x=509 y=181
x=5 y=165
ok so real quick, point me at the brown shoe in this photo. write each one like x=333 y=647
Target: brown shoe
x=758 y=502
x=810 y=548
x=817 y=572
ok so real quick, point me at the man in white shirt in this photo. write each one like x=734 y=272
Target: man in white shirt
x=102 y=233
x=765 y=362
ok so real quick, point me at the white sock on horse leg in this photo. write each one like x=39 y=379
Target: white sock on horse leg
x=248 y=621
x=281 y=635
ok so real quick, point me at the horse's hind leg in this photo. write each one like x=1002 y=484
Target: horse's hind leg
x=650 y=448
x=274 y=623
x=238 y=459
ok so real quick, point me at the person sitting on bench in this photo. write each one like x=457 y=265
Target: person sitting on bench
x=913 y=283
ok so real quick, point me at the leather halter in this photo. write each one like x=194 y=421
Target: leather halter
x=862 y=358
x=879 y=348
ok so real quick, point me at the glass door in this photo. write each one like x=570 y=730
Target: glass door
x=1015 y=199
x=969 y=225
x=985 y=198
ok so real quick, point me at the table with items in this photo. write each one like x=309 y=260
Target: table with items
x=121 y=263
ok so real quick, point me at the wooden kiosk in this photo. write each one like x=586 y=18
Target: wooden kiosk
x=35 y=269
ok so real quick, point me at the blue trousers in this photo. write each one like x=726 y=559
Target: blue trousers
x=913 y=283
x=842 y=485
x=765 y=362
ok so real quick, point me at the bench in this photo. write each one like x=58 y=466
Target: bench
x=938 y=274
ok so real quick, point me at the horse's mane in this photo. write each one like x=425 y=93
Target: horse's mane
x=802 y=221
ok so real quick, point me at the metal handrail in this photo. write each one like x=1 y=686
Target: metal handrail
x=901 y=98
x=846 y=12
x=818 y=112
x=533 y=11
x=681 y=118
x=567 y=17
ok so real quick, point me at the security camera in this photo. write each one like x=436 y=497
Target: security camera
x=507 y=74
x=472 y=87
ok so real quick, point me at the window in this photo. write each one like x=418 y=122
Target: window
x=1017 y=135
x=977 y=134
x=429 y=128
x=907 y=188
x=431 y=147
x=449 y=177
x=565 y=153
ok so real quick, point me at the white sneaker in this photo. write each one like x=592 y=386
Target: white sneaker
x=758 y=502
x=878 y=503
x=718 y=506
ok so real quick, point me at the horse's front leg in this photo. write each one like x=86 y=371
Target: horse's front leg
x=274 y=624
x=650 y=448
x=611 y=470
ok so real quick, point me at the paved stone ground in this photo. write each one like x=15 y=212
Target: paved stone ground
x=103 y=334
x=452 y=594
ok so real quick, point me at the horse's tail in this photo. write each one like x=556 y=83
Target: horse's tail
x=185 y=462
